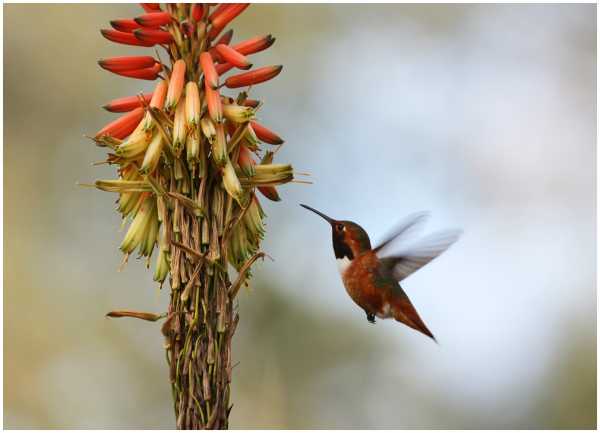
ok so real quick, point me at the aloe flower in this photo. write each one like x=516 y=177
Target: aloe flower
x=190 y=159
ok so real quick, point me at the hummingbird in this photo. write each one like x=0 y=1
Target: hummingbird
x=372 y=276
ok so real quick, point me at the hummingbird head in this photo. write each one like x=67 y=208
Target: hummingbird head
x=349 y=239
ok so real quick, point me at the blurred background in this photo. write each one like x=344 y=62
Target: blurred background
x=483 y=114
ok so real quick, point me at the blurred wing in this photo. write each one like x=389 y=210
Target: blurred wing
x=408 y=227
x=418 y=255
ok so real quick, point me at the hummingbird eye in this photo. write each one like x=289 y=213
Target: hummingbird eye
x=340 y=227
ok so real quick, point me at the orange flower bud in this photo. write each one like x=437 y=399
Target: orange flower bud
x=254 y=45
x=219 y=10
x=192 y=104
x=153 y=36
x=126 y=103
x=215 y=106
x=224 y=39
x=233 y=57
x=127 y=63
x=265 y=134
x=208 y=67
x=158 y=97
x=176 y=84
x=124 y=38
x=197 y=11
x=151 y=7
x=223 y=16
x=154 y=19
x=157 y=101
x=257 y=76
x=123 y=126
x=124 y=25
x=222 y=68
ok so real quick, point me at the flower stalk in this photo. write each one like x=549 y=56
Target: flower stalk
x=187 y=182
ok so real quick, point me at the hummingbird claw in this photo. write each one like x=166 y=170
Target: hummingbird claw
x=371 y=318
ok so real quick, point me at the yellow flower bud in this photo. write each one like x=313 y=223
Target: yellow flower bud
x=153 y=153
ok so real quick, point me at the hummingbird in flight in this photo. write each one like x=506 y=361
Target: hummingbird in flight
x=372 y=276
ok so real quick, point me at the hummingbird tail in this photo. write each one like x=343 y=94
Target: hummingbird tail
x=404 y=312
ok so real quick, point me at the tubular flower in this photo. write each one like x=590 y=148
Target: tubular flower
x=124 y=25
x=127 y=103
x=257 y=76
x=233 y=57
x=187 y=183
x=154 y=19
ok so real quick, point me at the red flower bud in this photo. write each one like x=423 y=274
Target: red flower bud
x=123 y=126
x=269 y=192
x=221 y=68
x=233 y=57
x=245 y=159
x=154 y=19
x=211 y=77
x=151 y=7
x=197 y=11
x=124 y=25
x=153 y=36
x=265 y=134
x=127 y=103
x=257 y=76
x=124 y=38
x=254 y=45
x=126 y=63
x=142 y=74
x=225 y=38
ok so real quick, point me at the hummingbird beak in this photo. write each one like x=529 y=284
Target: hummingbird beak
x=322 y=215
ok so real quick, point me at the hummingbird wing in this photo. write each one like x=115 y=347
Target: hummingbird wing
x=414 y=257
x=406 y=228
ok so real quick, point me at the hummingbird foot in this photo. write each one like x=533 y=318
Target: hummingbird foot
x=370 y=317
